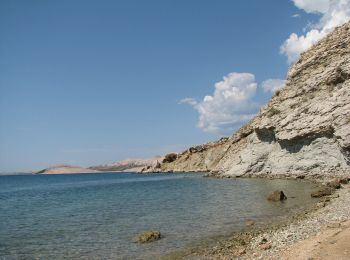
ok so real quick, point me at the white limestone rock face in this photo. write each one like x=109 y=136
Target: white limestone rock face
x=303 y=131
x=319 y=156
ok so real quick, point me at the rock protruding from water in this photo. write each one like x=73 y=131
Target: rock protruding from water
x=148 y=236
x=277 y=195
x=304 y=129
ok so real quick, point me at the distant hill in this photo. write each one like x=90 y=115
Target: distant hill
x=69 y=169
x=129 y=165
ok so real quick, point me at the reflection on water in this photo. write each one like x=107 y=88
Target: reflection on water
x=96 y=215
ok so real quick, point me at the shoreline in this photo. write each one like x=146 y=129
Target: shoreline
x=292 y=238
x=270 y=239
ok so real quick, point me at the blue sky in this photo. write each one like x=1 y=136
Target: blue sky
x=91 y=82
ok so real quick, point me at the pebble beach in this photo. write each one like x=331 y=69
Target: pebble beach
x=304 y=235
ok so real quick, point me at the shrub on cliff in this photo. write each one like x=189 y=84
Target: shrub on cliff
x=170 y=158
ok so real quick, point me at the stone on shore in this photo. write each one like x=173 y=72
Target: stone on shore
x=241 y=252
x=344 y=181
x=277 y=196
x=334 y=184
x=148 y=236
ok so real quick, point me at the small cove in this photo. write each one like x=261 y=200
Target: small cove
x=97 y=215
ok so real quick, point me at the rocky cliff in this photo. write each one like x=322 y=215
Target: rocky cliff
x=303 y=131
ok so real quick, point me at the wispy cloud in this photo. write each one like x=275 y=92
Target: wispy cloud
x=189 y=101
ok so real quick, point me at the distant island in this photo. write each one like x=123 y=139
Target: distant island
x=65 y=169
x=130 y=165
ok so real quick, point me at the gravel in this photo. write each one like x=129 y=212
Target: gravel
x=329 y=213
x=269 y=242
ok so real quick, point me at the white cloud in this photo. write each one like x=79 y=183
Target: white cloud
x=333 y=13
x=230 y=106
x=272 y=85
x=296 y=15
x=313 y=6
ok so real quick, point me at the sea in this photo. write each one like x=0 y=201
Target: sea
x=97 y=216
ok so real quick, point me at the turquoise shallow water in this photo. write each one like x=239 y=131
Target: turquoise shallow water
x=93 y=216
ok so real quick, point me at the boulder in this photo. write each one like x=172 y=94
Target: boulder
x=277 y=195
x=321 y=192
x=335 y=184
x=263 y=241
x=148 y=236
x=344 y=180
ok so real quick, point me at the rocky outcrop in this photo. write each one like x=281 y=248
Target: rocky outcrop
x=303 y=131
x=198 y=158
x=65 y=169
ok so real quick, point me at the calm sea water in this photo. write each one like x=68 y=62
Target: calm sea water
x=93 y=216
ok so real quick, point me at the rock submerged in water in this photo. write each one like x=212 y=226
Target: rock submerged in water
x=249 y=222
x=148 y=236
x=324 y=191
x=277 y=195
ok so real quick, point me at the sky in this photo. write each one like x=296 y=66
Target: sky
x=91 y=82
